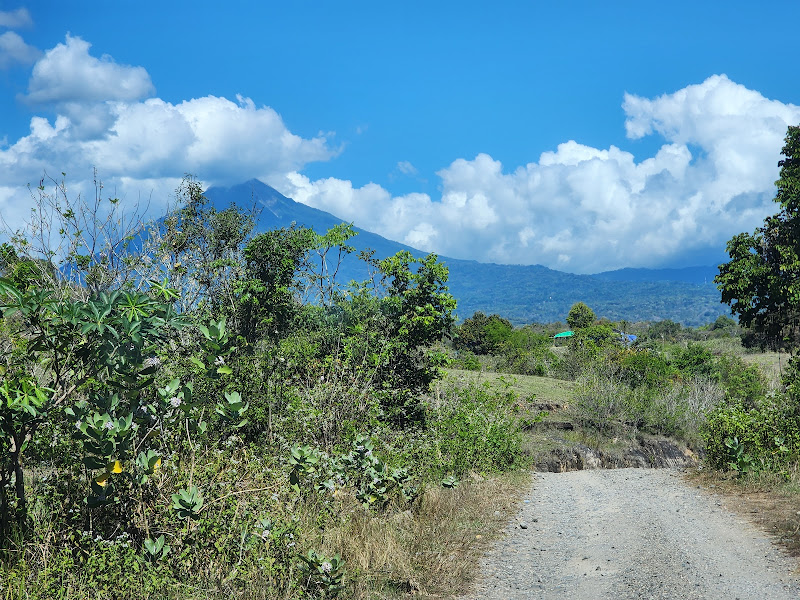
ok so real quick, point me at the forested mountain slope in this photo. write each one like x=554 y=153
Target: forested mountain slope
x=521 y=293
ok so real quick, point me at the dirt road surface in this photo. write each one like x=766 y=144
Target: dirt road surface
x=631 y=533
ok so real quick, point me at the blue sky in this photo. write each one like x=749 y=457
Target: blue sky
x=582 y=136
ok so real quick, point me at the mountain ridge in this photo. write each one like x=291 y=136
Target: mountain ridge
x=520 y=293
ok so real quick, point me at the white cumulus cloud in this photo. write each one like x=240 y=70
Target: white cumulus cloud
x=586 y=209
x=69 y=74
x=141 y=145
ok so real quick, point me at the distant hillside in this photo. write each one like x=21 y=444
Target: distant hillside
x=521 y=293
x=698 y=275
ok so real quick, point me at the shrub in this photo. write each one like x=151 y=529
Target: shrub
x=474 y=429
x=769 y=433
x=580 y=316
x=606 y=401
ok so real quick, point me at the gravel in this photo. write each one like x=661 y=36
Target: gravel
x=631 y=533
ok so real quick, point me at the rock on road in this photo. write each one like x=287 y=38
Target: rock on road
x=631 y=533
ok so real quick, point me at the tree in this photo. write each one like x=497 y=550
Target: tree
x=664 y=330
x=580 y=316
x=197 y=250
x=268 y=296
x=483 y=335
x=761 y=282
x=417 y=312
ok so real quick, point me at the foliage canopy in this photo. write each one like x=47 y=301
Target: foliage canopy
x=761 y=282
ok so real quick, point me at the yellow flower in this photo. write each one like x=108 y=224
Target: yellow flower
x=102 y=479
x=115 y=467
x=156 y=465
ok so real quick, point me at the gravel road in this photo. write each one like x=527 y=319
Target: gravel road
x=631 y=533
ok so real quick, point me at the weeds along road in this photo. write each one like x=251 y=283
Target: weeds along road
x=631 y=533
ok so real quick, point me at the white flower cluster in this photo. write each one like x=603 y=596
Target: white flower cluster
x=152 y=361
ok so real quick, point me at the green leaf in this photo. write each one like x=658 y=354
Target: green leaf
x=94 y=463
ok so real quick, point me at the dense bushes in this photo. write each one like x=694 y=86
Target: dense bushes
x=753 y=430
x=668 y=392
x=762 y=437
x=474 y=428
x=606 y=401
x=177 y=443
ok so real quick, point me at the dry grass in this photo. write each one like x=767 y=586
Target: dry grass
x=771 y=365
x=433 y=551
x=543 y=390
x=766 y=500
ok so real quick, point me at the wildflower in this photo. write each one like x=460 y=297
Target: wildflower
x=219 y=361
x=152 y=361
x=175 y=402
x=78 y=424
x=327 y=567
x=109 y=425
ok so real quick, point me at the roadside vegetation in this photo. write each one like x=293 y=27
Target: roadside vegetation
x=189 y=410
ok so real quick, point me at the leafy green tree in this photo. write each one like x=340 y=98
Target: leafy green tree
x=418 y=311
x=722 y=322
x=580 y=316
x=483 y=335
x=664 y=330
x=268 y=295
x=761 y=282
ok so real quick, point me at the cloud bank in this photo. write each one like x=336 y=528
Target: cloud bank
x=577 y=208
x=585 y=209
x=107 y=117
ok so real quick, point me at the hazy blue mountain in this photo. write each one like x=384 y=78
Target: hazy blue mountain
x=520 y=293
x=699 y=275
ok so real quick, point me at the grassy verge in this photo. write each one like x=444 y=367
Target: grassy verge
x=430 y=550
x=436 y=551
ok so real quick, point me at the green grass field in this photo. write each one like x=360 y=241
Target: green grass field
x=541 y=390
